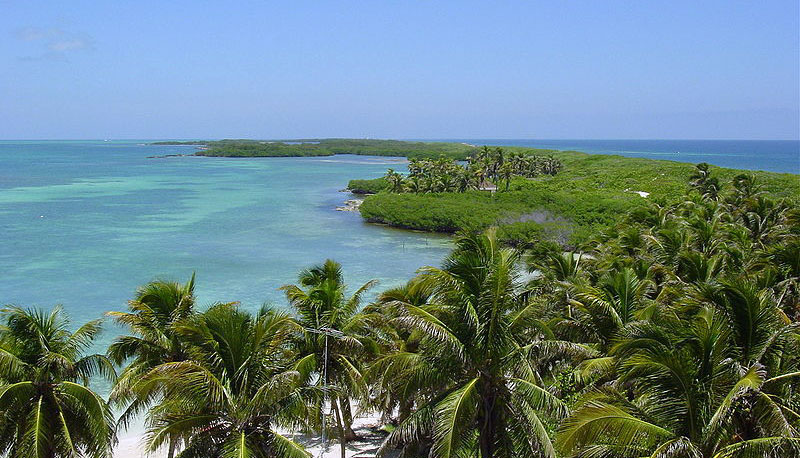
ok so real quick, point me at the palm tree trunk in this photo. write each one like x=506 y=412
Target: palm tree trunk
x=172 y=447
x=340 y=427
x=486 y=436
x=347 y=419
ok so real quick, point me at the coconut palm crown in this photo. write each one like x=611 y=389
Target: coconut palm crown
x=46 y=407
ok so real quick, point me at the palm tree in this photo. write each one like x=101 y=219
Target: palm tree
x=681 y=394
x=482 y=359
x=619 y=298
x=784 y=260
x=414 y=184
x=332 y=336
x=479 y=174
x=560 y=274
x=708 y=186
x=240 y=381
x=698 y=356
x=414 y=167
x=47 y=409
x=745 y=187
x=395 y=392
x=506 y=172
x=151 y=318
x=395 y=181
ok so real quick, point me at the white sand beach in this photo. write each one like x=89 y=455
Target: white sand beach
x=130 y=444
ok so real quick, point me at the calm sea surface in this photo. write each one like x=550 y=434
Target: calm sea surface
x=771 y=155
x=84 y=223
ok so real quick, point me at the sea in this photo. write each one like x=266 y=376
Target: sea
x=84 y=223
x=769 y=155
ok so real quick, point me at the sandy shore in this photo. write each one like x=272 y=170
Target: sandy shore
x=369 y=441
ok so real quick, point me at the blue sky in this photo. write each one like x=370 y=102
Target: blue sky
x=400 y=69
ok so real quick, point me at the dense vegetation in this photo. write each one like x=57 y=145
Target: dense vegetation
x=675 y=333
x=329 y=147
x=588 y=196
x=484 y=170
x=367 y=186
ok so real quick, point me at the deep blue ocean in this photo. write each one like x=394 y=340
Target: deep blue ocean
x=770 y=155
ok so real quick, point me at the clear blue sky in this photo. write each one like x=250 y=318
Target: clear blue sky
x=400 y=69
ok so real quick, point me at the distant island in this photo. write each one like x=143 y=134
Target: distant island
x=326 y=147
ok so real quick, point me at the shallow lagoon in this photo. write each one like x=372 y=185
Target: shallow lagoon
x=85 y=223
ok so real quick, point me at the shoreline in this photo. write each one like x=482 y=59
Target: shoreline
x=370 y=439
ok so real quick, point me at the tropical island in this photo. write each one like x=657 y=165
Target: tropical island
x=674 y=334
x=400 y=229
x=325 y=147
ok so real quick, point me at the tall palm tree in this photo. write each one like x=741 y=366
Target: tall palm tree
x=239 y=383
x=785 y=260
x=506 y=172
x=392 y=392
x=47 y=409
x=414 y=184
x=483 y=359
x=332 y=337
x=151 y=318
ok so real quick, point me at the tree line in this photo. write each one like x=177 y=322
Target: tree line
x=673 y=334
x=328 y=147
x=486 y=167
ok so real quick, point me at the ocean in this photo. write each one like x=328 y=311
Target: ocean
x=769 y=155
x=84 y=223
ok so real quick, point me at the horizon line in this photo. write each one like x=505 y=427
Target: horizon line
x=428 y=139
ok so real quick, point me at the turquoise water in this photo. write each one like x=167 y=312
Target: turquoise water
x=85 y=223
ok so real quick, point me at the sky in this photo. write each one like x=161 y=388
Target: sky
x=400 y=69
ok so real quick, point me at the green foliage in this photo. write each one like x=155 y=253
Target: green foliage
x=373 y=186
x=694 y=333
x=331 y=146
x=521 y=234
x=237 y=386
x=483 y=171
x=152 y=316
x=589 y=196
x=46 y=406
x=332 y=336
x=481 y=365
x=676 y=333
x=438 y=212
